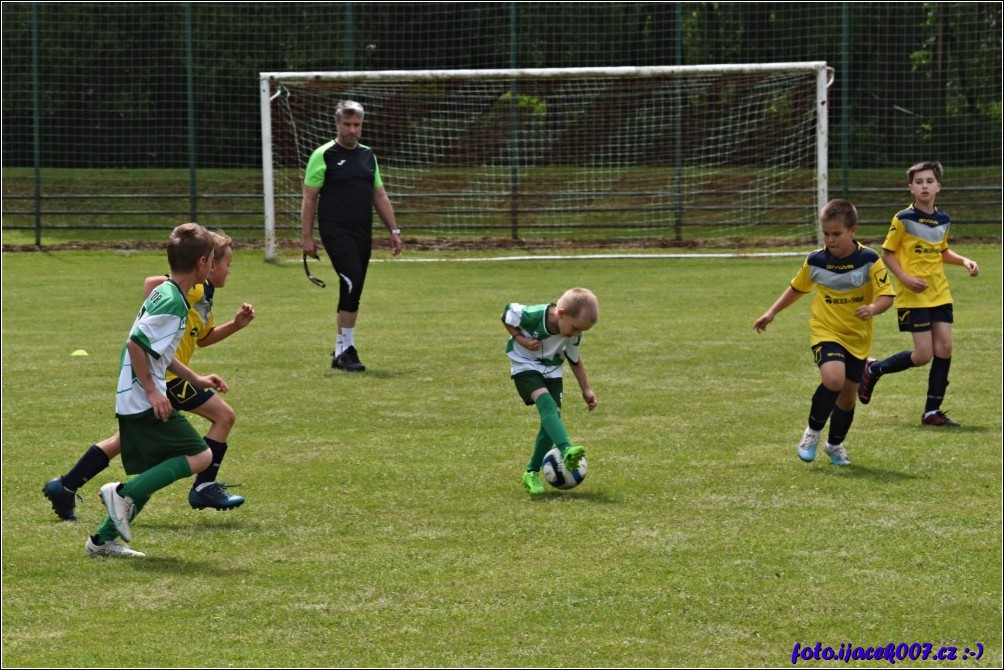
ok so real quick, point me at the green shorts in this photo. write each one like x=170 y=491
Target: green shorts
x=147 y=441
x=528 y=382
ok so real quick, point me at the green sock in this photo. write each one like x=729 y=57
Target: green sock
x=540 y=449
x=141 y=487
x=550 y=421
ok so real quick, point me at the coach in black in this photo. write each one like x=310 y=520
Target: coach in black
x=342 y=186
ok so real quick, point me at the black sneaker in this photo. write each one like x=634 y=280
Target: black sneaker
x=937 y=418
x=215 y=495
x=867 y=385
x=63 y=500
x=348 y=361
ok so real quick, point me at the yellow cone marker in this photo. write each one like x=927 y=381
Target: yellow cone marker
x=79 y=352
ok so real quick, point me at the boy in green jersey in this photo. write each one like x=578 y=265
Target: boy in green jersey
x=159 y=445
x=542 y=338
x=201 y=331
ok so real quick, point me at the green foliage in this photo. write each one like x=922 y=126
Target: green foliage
x=386 y=525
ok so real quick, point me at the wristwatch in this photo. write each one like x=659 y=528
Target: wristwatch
x=395 y=231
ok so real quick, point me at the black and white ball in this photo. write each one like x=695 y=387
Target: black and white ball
x=559 y=476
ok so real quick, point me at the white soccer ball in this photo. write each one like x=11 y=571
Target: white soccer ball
x=557 y=475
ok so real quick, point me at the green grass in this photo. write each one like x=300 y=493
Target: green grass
x=385 y=524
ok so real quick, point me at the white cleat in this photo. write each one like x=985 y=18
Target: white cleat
x=837 y=454
x=807 y=447
x=120 y=508
x=113 y=548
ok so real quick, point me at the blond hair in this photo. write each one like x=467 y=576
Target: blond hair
x=221 y=242
x=580 y=302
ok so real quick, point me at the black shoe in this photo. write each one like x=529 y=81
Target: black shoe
x=937 y=418
x=348 y=361
x=867 y=385
x=63 y=501
x=215 y=495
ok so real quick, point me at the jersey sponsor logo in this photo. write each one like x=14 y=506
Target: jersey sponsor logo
x=920 y=249
x=830 y=300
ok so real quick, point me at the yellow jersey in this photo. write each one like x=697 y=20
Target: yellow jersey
x=843 y=285
x=200 y=322
x=918 y=240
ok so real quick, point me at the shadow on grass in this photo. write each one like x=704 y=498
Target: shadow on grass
x=880 y=475
x=183 y=567
x=566 y=497
x=201 y=526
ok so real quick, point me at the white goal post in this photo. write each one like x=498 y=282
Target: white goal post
x=674 y=152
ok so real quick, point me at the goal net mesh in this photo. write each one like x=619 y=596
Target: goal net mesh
x=712 y=156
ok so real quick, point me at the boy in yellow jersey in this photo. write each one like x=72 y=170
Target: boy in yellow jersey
x=202 y=330
x=852 y=286
x=916 y=251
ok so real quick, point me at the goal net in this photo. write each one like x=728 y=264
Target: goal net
x=734 y=154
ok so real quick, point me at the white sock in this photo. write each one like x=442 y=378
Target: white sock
x=339 y=346
x=348 y=336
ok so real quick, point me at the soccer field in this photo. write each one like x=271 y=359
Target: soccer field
x=385 y=523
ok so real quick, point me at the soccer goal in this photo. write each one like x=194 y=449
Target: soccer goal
x=732 y=153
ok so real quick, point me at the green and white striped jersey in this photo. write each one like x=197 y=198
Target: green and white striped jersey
x=554 y=349
x=158 y=328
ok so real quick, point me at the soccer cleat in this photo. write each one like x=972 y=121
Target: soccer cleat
x=837 y=454
x=572 y=455
x=121 y=509
x=867 y=385
x=531 y=480
x=215 y=495
x=111 y=548
x=807 y=447
x=63 y=500
x=348 y=360
x=938 y=418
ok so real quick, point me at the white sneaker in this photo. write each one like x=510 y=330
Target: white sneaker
x=112 y=548
x=837 y=454
x=120 y=508
x=807 y=447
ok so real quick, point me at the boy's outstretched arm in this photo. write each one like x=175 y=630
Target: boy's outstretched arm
x=579 y=370
x=952 y=258
x=245 y=315
x=787 y=298
x=212 y=381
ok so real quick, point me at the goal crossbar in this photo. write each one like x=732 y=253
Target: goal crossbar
x=545 y=73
